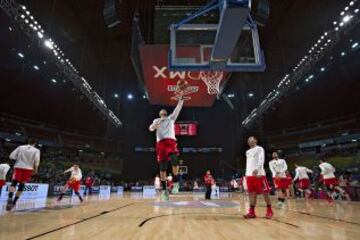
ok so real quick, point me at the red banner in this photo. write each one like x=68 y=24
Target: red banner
x=185 y=129
x=161 y=83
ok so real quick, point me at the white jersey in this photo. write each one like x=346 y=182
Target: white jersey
x=167 y=124
x=302 y=173
x=327 y=170
x=77 y=174
x=4 y=168
x=278 y=167
x=255 y=158
x=26 y=157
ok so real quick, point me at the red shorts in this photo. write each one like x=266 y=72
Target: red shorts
x=75 y=185
x=330 y=182
x=2 y=182
x=281 y=183
x=257 y=184
x=22 y=175
x=304 y=183
x=164 y=147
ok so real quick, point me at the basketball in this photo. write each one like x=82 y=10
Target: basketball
x=182 y=85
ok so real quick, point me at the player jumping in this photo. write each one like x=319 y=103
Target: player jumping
x=278 y=169
x=301 y=173
x=27 y=160
x=330 y=181
x=73 y=182
x=256 y=178
x=166 y=146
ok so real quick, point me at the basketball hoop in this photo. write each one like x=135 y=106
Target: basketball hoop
x=212 y=80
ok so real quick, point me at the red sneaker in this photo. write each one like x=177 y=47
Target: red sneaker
x=250 y=215
x=269 y=213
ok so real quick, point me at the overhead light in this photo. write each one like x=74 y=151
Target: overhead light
x=27 y=12
x=53 y=80
x=311 y=76
x=346 y=8
x=130 y=96
x=144 y=96
x=342 y=13
x=336 y=29
x=343 y=54
x=351 y=3
x=354 y=140
x=335 y=22
x=36 y=67
x=23 y=7
x=250 y=94
x=40 y=35
x=116 y=95
x=322 y=69
x=355 y=45
x=27 y=21
x=21 y=55
x=231 y=95
x=356 y=10
x=347 y=18
x=48 y=44
x=22 y=16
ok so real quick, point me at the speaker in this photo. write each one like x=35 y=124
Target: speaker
x=110 y=12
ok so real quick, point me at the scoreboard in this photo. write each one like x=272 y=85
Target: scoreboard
x=186 y=128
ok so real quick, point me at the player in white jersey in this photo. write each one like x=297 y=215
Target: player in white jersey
x=301 y=173
x=73 y=182
x=166 y=146
x=330 y=181
x=4 y=168
x=27 y=160
x=256 y=178
x=278 y=168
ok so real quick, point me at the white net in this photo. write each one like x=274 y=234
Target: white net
x=212 y=80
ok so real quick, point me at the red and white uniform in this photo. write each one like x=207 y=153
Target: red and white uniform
x=209 y=180
x=26 y=159
x=301 y=173
x=75 y=178
x=4 y=168
x=278 y=168
x=255 y=158
x=328 y=176
x=165 y=134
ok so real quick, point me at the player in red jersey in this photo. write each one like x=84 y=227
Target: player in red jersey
x=73 y=182
x=89 y=182
x=256 y=178
x=27 y=160
x=209 y=181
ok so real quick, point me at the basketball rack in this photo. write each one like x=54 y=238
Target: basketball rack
x=230 y=12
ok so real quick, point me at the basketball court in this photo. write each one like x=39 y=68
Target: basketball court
x=191 y=59
x=186 y=216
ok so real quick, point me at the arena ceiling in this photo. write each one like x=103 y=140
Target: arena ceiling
x=103 y=56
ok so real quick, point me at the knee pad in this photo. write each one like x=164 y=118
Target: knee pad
x=21 y=187
x=163 y=166
x=14 y=183
x=174 y=159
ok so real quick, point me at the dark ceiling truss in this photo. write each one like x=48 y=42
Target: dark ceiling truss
x=17 y=13
x=326 y=43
